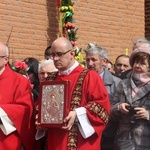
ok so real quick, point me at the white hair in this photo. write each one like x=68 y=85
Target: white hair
x=101 y=51
x=46 y=62
x=143 y=41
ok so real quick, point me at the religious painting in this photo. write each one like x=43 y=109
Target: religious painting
x=53 y=103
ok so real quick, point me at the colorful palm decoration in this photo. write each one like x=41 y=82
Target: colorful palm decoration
x=67 y=26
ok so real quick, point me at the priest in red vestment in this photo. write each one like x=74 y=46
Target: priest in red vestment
x=16 y=108
x=88 y=103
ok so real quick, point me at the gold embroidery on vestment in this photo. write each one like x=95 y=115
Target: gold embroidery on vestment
x=99 y=110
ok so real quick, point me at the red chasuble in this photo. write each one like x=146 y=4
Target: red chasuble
x=95 y=100
x=16 y=101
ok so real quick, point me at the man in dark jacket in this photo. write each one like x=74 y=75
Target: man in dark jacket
x=96 y=59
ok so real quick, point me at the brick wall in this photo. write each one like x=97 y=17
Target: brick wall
x=147 y=19
x=114 y=24
x=33 y=24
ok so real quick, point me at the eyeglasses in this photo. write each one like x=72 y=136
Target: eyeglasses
x=2 y=56
x=43 y=73
x=58 y=54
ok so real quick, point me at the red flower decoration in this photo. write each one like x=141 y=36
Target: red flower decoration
x=21 y=65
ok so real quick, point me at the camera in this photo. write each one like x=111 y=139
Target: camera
x=132 y=112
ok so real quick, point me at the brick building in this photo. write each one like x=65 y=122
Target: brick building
x=29 y=26
x=147 y=19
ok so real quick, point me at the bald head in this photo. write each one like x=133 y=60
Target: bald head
x=3 y=56
x=62 y=43
x=3 y=50
x=62 y=54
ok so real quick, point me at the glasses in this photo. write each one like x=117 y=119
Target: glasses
x=43 y=73
x=58 y=54
x=2 y=56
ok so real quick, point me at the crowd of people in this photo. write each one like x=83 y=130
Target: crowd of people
x=107 y=105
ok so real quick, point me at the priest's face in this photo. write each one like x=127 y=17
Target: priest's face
x=3 y=57
x=62 y=54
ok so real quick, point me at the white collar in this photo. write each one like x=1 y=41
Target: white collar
x=102 y=74
x=1 y=71
x=68 y=71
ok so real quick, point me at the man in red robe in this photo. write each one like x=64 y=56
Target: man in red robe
x=16 y=107
x=88 y=107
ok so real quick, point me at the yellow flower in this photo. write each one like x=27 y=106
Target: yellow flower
x=71 y=8
x=62 y=8
x=66 y=7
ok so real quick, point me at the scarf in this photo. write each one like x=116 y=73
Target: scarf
x=138 y=81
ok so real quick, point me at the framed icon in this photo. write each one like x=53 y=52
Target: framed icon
x=53 y=103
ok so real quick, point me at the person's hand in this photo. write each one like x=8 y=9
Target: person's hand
x=123 y=108
x=69 y=120
x=36 y=117
x=141 y=113
x=38 y=126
